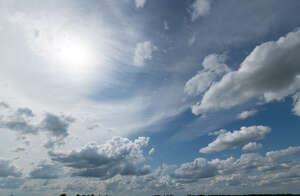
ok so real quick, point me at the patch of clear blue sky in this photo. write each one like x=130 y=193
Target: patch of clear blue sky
x=277 y=115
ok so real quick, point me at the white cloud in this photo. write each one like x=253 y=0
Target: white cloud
x=116 y=156
x=143 y=51
x=151 y=151
x=232 y=139
x=221 y=131
x=213 y=67
x=296 y=108
x=200 y=8
x=252 y=146
x=192 y=40
x=246 y=114
x=200 y=168
x=271 y=71
x=166 y=25
x=279 y=154
x=249 y=168
x=140 y=3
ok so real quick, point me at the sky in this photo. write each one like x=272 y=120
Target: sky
x=149 y=97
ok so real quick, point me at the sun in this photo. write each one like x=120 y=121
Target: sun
x=76 y=57
x=74 y=54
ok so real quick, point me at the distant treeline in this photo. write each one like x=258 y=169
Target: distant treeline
x=64 y=194
x=287 y=194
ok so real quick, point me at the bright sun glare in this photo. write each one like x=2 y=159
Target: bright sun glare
x=74 y=54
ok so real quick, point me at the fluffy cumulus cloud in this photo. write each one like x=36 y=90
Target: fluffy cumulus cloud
x=140 y=3
x=143 y=51
x=213 y=67
x=200 y=8
x=19 y=120
x=246 y=114
x=56 y=125
x=200 y=168
x=7 y=169
x=252 y=146
x=271 y=71
x=250 y=168
x=118 y=156
x=226 y=140
x=155 y=181
x=24 y=122
x=166 y=25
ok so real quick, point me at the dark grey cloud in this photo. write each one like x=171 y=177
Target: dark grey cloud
x=18 y=120
x=25 y=111
x=7 y=169
x=56 y=125
x=23 y=121
x=47 y=171
x=11 y=183
x=4 y=105
x=19 y=149
x=54 y=141
x=117 y=156
x=21 y=126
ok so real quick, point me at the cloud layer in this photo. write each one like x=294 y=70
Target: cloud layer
x=262 y=169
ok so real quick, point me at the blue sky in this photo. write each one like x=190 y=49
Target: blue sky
x=146 y=97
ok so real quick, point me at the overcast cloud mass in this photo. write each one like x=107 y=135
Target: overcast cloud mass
x=142 y=97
